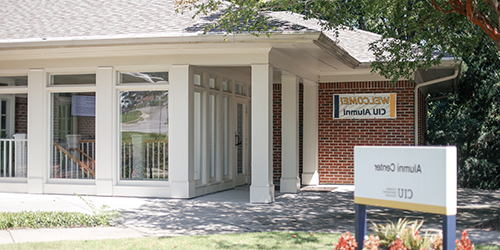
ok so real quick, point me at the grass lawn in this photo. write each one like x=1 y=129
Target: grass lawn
x=263 y=240
x=131 y=115
x=127 y=136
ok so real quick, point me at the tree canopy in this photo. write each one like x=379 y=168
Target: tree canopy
x=415 y=33
x=471 y=119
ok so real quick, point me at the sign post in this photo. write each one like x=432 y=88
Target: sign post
x=411 y=178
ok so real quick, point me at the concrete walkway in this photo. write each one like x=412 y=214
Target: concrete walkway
x=230 y=212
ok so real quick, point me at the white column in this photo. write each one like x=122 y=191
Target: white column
x=38 y=130
x=105 y=132
x=290 y=181
x=262 y=188
x=310 y=174
x=181 y=132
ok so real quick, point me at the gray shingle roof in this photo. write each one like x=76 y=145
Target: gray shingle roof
x=32 y=20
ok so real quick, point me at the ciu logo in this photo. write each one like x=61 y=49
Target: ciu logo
x=404 y=193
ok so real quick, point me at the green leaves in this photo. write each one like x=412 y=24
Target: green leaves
x=470 y=120
x=414 y=33
x=29 y=219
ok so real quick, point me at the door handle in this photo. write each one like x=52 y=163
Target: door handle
x=237 y=140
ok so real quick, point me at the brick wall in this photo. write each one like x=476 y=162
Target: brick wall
x=338 y=137
x=21 y=114
x=276 y=133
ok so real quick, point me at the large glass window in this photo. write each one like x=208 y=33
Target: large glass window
x=198 y=147
x=13 y=129
x=73 y=135
x=144 y=135
x=226 y=136
x=212 y=135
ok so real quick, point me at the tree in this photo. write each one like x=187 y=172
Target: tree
x=485 y=14
x=471 y=119
x=415 y=33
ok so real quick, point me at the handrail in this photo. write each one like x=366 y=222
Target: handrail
x=81 y=164
x=84 y=154
x=146 y=141
x=80 y=141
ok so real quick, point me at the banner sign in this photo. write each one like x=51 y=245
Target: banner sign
x=412 y=178
x=82 y=105
x=364 y=106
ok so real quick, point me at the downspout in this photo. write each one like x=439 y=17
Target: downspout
x=415 y=98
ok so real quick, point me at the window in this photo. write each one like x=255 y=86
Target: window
x=226 y=86
x=144 y=135
x=238 y=89
x=198 y=133
x=226 y=136
x=212 y=135
x=144 y=78
x=72 y=79
x=13 y=129
x=197 y=79
x=13 y=81
x=73 y=135
x=212 y=83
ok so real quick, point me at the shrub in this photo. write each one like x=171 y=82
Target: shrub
x=371 y=242
x=405 y=235
x=39 y=219
x=464 y=242
x=346 y=242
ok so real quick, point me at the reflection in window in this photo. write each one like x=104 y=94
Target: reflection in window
x=73 y=135
x=13 y=139
x=226 y=136
x=212 y=135
x=144 y=135
x=197 y=79
x=238 y=89
x=197 y=135
x=225 y=86
x=144 y=77
x=72 y=79
x=212 y=83
x=13 y=81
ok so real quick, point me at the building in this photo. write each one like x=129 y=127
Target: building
x=128 y=98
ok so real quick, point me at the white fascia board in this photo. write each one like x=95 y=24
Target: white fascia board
x=363 y=73
x=355 y=75
x=167 y=38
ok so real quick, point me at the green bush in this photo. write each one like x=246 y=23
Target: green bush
x=39 y=219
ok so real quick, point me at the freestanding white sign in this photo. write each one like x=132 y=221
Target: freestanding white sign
x=412 y=178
